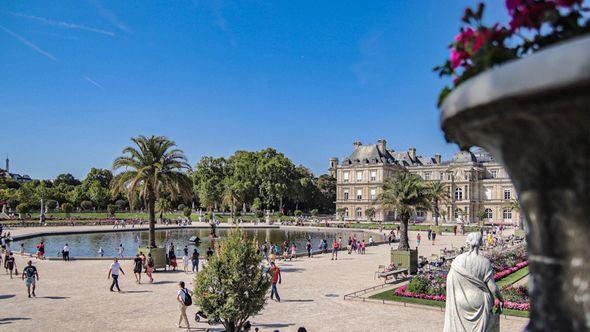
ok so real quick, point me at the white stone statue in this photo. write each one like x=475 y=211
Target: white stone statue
x=470 y=292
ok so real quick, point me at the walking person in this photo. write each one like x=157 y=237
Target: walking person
x=149 y=267
x=137 y=266
x=10 y=263
x=276 y=277
x=66 y=252
x=41 y=250
x=184 y=299
x=32 y=276
x=308 y=248
x=293 y=251
x=185 y=261
x=121 y=250
x=433 y=236
x=418 y=238
x=114 y=271
x=195 y=260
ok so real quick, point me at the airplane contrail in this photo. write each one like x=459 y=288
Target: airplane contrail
x=29 y=43
x=93 y=82
x=62 y=24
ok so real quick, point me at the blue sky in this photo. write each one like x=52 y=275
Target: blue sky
x=79 y=78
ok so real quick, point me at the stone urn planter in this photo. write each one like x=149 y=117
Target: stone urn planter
x=533 y=115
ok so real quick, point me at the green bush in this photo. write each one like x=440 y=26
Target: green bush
x=121 y=204
x=259 y=214
x=111 y=209
x=86 y=205
x=298 y=213
x=51 y=204
x=23 y=208
x=186 y=212
x=181 y=207
x=67 y=208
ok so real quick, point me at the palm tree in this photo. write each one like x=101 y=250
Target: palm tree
x=152 y=167
x=404 y=194
x=437 y=193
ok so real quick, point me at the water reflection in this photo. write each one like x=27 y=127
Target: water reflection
x=87 y=245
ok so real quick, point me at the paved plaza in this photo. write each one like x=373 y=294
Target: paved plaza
x=74 y=296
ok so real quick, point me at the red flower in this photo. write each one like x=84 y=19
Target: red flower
x=529 y=13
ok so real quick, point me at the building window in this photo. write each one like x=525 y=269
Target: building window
x=373 y=194
x=458 y=194
x=449 y=176
x=489 y=214
x=346 y=194
x=488 y=193
x=426 y=175
x=373 y=175
x=359 y=176
x=441 y=176
x=458 y=213
x=359 y=194
x=359 y=212
x=346 y=212
x=494 y=173
x=346 y=176
x=506 y=194
x=420 y=213
x=507 y=214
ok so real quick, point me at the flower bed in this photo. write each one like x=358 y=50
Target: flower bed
x=432 y=285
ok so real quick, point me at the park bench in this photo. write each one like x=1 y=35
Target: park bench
x=395 y=274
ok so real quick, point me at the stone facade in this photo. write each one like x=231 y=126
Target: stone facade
x=475 y=183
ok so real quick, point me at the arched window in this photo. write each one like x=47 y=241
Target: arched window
x=507 y=214
x=458 y=194
x=489 y=213
x=359 y=212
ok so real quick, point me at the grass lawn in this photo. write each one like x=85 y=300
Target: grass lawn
x=514 y=277
x=390 y=296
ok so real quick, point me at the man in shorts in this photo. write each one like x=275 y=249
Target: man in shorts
x=30 y=276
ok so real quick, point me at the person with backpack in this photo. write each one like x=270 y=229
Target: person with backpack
x=185 y=300
x=30 y=273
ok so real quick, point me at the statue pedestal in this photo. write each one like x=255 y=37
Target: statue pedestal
x=533 y=115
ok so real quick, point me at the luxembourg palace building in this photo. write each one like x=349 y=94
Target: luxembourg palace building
x=475 y=182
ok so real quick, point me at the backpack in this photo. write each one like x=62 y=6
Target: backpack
x=187 y=300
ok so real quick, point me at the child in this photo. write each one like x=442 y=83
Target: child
x=418 y=238
x=293 y=251
x=185 y=262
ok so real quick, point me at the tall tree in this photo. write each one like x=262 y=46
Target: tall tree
x=152 y=166
x=275 y=173
x=437 y=193
x=208 y=181
x=103 y=176
x=66 y=178
x=404 y=194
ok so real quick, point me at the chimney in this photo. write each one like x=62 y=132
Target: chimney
x=382 y=143
x=357 y=143
x=333 y=166
x=412 y=153
x=437 y=158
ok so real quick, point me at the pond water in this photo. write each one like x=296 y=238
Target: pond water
x=88 y=244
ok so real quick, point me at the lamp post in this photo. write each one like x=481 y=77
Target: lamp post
x=42 y=214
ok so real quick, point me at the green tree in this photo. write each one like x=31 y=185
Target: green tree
x=112 y=209
x=327 y=187
x=256 y=205
x=340 y=213
x=404 y=194
x=370 y=213
x=186 y=212
x=67 y=208
x=66 y=178
x=121 y=204
x=207 y=178
x=275 y=173
x=298 y=213
x=98 y=194
x=102 y=176
x=233 y=286
x=153 y=166
x=437 y=193
x=22 y=208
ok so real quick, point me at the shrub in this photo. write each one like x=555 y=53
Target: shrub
x=121 y=204
x=186 y=212
x=67 y=208
x=12 y=203
x=233 y=285
x=111 y=209
x=298 y=213
x=181 y=207
x=51 y=204
x=86 y=205
x=23 y=208
x=259 y=214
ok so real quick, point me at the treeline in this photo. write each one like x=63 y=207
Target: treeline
x=256 y=181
